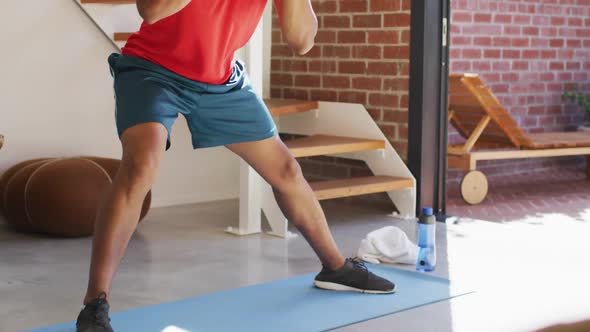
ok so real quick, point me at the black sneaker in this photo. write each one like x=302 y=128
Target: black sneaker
x=353 y=276
x=95 y=316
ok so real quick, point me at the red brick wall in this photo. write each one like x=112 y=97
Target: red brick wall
x=361 y=56
x=528 y=52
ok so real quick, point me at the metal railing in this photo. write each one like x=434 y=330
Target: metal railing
x=96 y=24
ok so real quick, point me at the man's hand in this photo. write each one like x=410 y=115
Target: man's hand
x=154 y=10
x=299 y=23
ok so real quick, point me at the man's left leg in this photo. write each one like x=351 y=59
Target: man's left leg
x=231 y=113
x=275 y=163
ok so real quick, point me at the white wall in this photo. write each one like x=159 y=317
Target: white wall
x=56 y=100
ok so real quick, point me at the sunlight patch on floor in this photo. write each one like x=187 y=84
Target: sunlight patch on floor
x=173 y=328
x=533 y=267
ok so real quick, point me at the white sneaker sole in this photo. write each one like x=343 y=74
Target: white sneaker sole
x=343 y=288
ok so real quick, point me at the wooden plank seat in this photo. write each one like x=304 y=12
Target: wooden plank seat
x=482 y=120
x=558 y=140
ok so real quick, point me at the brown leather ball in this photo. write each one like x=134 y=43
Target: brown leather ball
x=59 y=197
x=63 y=195
x=7 y=175
x=14 y=196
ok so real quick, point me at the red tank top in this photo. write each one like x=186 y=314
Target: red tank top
x=199 y=42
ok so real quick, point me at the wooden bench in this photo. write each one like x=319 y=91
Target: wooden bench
x=492 y=134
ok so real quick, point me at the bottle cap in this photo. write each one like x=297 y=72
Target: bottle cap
x=427 y=211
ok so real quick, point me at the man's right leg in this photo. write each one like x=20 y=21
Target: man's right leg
x=143 y=149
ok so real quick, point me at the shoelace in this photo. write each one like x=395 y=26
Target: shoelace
x=358 y=263
x=101 y=317
x=361 y=265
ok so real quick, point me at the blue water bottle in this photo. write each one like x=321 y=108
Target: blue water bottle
x=426 y=261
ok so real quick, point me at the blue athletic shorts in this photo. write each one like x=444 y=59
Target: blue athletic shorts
x=216 y=114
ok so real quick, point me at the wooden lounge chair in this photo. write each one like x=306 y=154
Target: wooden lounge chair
x=492 y=134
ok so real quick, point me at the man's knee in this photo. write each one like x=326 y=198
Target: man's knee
x=288 y=172
x=140 y=170
x=143 y=147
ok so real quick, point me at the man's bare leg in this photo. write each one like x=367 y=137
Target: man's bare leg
x=143 y=148
x=275 y=163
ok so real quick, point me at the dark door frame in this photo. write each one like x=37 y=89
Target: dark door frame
x=428 y=102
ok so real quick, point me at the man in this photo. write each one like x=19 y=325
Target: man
x=182 y=61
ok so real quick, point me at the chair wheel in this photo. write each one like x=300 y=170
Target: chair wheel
x=474 y=187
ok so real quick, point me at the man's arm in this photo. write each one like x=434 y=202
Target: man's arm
x=154 y=10
x=298 y=22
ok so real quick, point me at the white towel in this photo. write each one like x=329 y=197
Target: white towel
x=388 y=245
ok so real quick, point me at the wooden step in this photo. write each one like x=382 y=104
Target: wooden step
x=318 y=145
x=108 y=2
x=279 y=107
x=359 y=186
x=121 y=36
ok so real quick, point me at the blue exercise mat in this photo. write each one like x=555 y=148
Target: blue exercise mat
x=285 y=305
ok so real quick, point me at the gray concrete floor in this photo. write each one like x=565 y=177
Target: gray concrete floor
x=526 y=275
